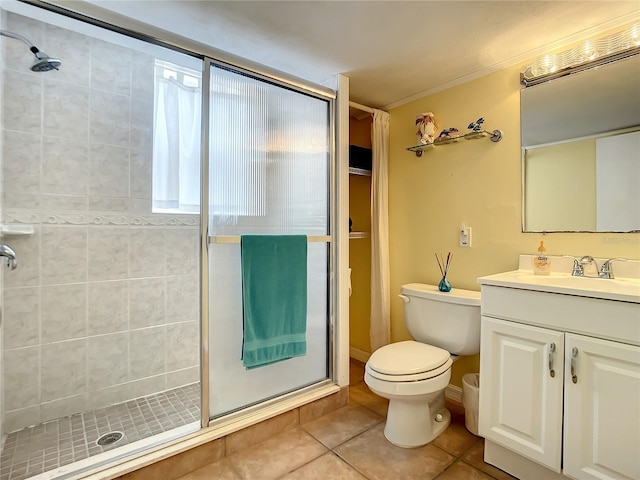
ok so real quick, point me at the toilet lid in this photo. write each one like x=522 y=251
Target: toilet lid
x=407 y=358
x=415 y=377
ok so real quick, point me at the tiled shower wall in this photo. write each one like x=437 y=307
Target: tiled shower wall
x=104 y=304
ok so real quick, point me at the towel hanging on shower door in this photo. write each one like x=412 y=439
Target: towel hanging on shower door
x=274 y=298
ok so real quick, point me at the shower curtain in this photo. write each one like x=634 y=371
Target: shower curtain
x=379 y=331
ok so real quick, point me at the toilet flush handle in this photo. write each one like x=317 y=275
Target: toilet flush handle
x=404 y=298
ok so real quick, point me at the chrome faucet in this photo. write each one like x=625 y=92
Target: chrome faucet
x=588 y=261
x=12 y=260
x=606 y=271
x=578 y=269
x=579 y=266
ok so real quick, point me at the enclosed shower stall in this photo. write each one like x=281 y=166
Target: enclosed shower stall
x=130 y=171
x=103 y=307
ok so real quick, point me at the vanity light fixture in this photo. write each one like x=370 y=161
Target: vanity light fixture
x=590 y=53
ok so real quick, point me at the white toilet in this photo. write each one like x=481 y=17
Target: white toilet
x=413 y=374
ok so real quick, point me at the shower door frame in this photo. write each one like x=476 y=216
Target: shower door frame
x=300 y=87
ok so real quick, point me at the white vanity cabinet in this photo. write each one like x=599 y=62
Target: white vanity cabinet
x=601 y=409
x=559 y=383
x=520 y=403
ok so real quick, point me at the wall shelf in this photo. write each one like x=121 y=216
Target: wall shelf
x=359 y=171
x=16 y=230
x=494 y=136
x=353 y=235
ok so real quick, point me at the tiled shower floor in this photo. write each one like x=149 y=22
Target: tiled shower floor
x=50 y=445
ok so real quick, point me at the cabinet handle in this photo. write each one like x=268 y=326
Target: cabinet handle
x=574 y=355
x=552 y=348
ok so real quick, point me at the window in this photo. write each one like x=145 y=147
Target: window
x=176 y=139
x=237 y=143
x=261 y=136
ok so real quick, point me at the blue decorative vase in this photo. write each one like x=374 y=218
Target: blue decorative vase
x=444 y=285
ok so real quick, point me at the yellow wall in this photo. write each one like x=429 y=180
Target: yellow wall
x=476 y=182
x=360 y=131
x=360 y=248
x=360 y=263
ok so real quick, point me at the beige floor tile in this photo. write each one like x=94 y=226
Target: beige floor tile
x=328 y=466
x=360 y=394
x=463 y=471
x=220 y=470
x=341 y=425
x=456 y=439
x=278 y=456
x=181 y=464
x=475 y=458
x=373 y=455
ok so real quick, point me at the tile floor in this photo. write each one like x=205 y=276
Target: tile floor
x=50 y=445
x=349 y=444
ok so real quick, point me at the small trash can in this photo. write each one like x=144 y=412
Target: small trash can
x=470 y=400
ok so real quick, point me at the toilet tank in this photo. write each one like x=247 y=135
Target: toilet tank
x=449 y=320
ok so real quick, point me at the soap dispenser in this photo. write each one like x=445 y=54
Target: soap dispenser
x=541 y=262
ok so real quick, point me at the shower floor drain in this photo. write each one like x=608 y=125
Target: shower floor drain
x=110 y=438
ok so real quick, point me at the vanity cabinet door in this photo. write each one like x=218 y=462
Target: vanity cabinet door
x=602 y=409
x=521 y=374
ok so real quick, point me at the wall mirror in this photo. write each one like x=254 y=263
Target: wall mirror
x=581 y=151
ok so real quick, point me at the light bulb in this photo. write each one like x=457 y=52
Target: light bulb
x=591 y=52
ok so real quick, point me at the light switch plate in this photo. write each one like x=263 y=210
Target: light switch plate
x=465 y=236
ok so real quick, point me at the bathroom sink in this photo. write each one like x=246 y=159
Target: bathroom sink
x=622 y=285
x=623 y=289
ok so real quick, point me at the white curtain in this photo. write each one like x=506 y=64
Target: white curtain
x=380 y=291
x=176 y=146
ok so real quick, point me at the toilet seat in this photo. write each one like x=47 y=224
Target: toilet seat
x=408 y=361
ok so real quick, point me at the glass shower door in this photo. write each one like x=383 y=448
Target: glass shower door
x=269 y=173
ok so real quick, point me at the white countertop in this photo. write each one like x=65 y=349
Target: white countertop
x=625 y=287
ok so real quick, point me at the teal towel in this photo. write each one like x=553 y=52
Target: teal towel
x=274 y=298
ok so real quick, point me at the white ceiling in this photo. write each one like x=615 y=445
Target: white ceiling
x=392 y=51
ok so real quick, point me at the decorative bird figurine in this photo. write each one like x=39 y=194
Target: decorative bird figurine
x=446 y=133
x=477 y=125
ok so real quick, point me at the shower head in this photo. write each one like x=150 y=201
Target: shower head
x=43 y=62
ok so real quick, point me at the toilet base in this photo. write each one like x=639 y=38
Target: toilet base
x=411 y=421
